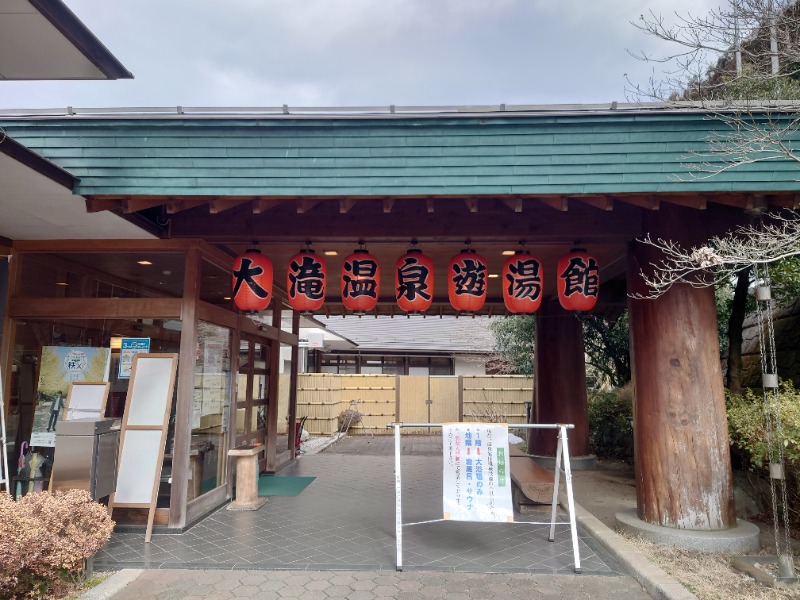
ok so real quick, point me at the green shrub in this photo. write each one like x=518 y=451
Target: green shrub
x=611 y=432
x=45 y=540
x=748 y=435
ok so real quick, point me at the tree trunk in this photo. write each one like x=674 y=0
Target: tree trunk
x=735 y=326
x=559 y=381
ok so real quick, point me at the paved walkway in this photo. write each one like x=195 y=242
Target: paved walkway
x=336 y=539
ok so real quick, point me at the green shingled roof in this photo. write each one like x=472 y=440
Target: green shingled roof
x=526 y=154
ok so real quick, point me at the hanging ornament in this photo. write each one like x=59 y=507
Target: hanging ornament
x=466 y=281
x=522 y=283
x=578 y=280
x=252 y=281
x=306 y=278
x=413 y=281
x=361 y=278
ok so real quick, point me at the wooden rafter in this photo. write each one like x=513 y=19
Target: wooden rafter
x=306 y=204
x=696 y=202
x=132 y=205
x=514 y=204
x=790 y=202
x=262 y=205
x=94 y=205
x=560 y=204
x=345 y=204
x=218 y=205
x=472 y=204
x=175 y=205
x=647 y=202
x=601 y=202
x=430 y=205
x=388 y=204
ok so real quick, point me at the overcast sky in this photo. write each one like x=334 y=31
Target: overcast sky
x=358 y=52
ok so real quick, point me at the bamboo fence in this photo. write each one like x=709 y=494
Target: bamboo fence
x=380 y=399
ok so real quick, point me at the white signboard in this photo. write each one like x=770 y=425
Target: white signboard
x=477 y=477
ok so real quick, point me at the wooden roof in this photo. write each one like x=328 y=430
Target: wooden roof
x=552 y=180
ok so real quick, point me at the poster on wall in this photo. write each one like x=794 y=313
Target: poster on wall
x=130 y=347
x=59 y=366
x=476 y=475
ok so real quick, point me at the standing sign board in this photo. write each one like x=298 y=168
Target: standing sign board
x=476 y=475
x=144 y=432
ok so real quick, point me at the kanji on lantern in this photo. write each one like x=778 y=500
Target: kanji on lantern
x=306 y=280
x=522 y=283
x=414 y=281
x=466 y=281
x=252 y=281
x=361 y=276
x=578 y=281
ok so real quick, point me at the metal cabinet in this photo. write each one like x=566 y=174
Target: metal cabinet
x=86 y=456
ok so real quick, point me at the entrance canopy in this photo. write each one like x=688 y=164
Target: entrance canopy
x=552 y=178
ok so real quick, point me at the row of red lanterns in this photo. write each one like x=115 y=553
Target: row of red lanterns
x=307 y=274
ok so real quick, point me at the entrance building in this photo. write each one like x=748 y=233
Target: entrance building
x=200 y=187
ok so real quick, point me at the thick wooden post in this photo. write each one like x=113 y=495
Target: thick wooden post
x=683 y=470
x=559 y=381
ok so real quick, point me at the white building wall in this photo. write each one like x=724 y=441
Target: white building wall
x=469 y=365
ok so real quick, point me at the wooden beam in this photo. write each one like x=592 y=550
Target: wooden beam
x=306 y=204
x=601 y=202
x=560 y=204
x=218 y=205
x=388 y=203
x=175 y=206
x=132 y=205
x=430 y=204
x=745 y=202
x=262 y=205
x=345 y=204
x=472 y=204
x=790 y=202
x=99 y=308
x=94 y=205
x=647 y=202
x=696 y=202
x=514 y=204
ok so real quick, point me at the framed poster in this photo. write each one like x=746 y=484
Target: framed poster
x=130 y=347
x=60 y=366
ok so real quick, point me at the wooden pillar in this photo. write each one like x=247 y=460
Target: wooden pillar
x=290 y=431
x=272 y=386
x=185 y=395
x=559 y=381
x=683 y=471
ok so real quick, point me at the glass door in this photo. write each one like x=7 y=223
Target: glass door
x=251 y=402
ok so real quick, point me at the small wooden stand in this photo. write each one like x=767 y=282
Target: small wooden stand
x=246 y=478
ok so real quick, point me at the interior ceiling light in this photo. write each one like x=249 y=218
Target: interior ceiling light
x=493 y=275
x=508 y=252
x=330 y=253
x=143 y=262
x=61 y=283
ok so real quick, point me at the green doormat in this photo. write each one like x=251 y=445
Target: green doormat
x=282 y=485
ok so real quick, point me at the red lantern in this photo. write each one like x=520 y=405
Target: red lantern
x=413 y=282
x=361 y=280
x=578 y=280
x=522 y=283
x=252 y=281
x=466 y=281
x=306 y=279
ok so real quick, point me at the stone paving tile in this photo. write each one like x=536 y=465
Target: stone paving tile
x=182 y=585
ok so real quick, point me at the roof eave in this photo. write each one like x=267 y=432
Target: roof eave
x=63 y=19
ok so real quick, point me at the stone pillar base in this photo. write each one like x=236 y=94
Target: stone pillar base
x=740 y=539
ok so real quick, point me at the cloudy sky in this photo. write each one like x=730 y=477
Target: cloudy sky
x=358 y=52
